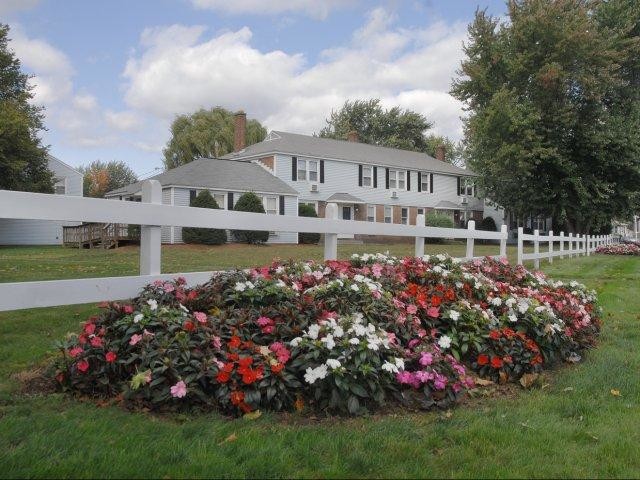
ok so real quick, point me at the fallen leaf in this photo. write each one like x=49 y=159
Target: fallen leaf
x=231 y=438
x=568 y=389
x=528 y=379
x=503 y=377
x=252 y=415
x=615 y=393
x=448 y=414
x=482 y=382
x=299 y=404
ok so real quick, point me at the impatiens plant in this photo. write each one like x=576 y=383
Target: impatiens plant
x=619 y=249
x=340 y=336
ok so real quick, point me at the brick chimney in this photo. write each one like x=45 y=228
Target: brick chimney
x=352 y=136
x=440 y=152
x=239 y=131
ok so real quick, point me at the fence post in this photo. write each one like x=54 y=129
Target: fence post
x=150 y=235
x=471 y=226
x=520 y=233
x=536 y=249
x=561 y=244
x=571 y=245
x=503 y=240
x=331 y=239
x=588 y=247
x=419 y=244
x=550 y=246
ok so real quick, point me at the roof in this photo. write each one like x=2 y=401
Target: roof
x=51 y=158
x=305 y=145
x=344 y=198
x=446 y=204
x=223 y=174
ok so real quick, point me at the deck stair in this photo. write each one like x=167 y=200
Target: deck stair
x=99 y=235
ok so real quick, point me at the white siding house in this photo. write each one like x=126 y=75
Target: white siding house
x=44 y=232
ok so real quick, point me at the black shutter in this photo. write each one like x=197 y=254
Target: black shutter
x=375 y=177
x=192 y=196
x=431 y=183
x=281 y=204
x=419 y=181
x=230 y=201
x=321 y=171
x=386 y=181
x=408 y=180
x=359 y=175
x=294 y=168
x=458 y=185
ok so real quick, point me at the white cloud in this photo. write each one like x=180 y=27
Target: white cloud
x=125 y=120
x=85 y=102
x=313 y=8
x=178 y=69
x=11 y=6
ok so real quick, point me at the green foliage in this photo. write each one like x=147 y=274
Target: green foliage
x=206 y=236
x=206 y=133
x=101 y=177
x=250 y=202
x=305 y=210
x=23 y=158
x=554 y=122
x=488 y=224
x=434 y=219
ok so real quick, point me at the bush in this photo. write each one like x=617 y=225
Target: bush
x=250 y=202
x=340 y=336
x=437 y=220
x=488 y=224
x=206 y=236
x=305 y=210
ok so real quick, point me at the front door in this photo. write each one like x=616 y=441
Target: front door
x=346 y=213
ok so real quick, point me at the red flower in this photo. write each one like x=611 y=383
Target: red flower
x=110 y=357
x=536 y=360
x=234 y=342
x=436 y=300
x=234 y=357
x=494 y=335
x=75 y=351
x=89 y=328
x=277 y=368
x=237 y=397
x=223 y=377
x=483 y=359
x=82 y=366
x=450 y=294
x=82 y=339
x=508 y=332
x=250 y=376
x=227 y=367
x=189 y=326
x=96 y=342
x=245 y=407
x=245 y=362
x=496 y=362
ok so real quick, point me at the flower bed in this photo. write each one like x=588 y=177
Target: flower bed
x=341 y=336
x=619 y=249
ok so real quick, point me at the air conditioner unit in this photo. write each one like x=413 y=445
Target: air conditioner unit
x=314 y=187
x=394 y=194
x=464 y=201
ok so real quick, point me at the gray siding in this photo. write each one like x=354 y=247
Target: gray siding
x=166 y=230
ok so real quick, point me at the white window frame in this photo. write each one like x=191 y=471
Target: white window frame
x=223 y=195
x=404 y=219
x=367 y=176
x=307 y=169
x=468 y=187
x=313 y=204
x=312 y=171
x=265 y=204
x=302 y=170
x=390 y=216
x=60 y=183
x=371 y=217
x=397 y=179
x=425 y=179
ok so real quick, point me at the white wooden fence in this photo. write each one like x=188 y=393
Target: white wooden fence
x=152 y=214
x=575 y=245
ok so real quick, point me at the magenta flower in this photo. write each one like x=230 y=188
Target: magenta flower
x=264 y=321
x=426 y=359
x=179 y=390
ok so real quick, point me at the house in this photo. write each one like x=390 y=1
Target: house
x=68 y=181
x=227 y=180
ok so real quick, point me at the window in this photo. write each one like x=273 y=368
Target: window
x=467 y=187
x=425 y=182
x=404 y=215
x=388 y=214
x=397 y=179
x=307 y=170
x=192 y=196
x=302 y=170
x=367 y=176
x=311 y=204
x=220 y=199
x=60 y=187
x=270 y=205
x=371 y=213
x=421 y=211
x=539 y=223
x=313 y=170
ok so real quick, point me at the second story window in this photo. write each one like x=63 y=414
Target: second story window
x=397 y=179
x=425 y=182
x=302 y=170
x=367 y=176
x=307 y=170
x=312 y=166
x=467 y=187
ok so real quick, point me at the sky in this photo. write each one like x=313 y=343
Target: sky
x=112 y=75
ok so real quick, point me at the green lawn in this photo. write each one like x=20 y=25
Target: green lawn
x=573 y=427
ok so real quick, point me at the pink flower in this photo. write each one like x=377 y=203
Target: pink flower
x=215 y=341
x=426 y=359
x=157 y=283
x=179 y=390
x=376 y=294
x=440 y=382
x=200 y=317
x=412 y=309
x=96 y=342
x=110 y=357
x=128 y=309
x=75 y=351
x=83 y=366
x=264 y=321
x=376 y=269
x=135 y=338
x=168 y=288
x=404 y=377
x=433 y=312
x=397 y=303
x=269 y=329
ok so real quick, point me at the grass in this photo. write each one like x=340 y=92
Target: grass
x=574 y=427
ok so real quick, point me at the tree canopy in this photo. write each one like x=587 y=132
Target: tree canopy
x=206 y=133
x=101 y=177
x=23 y=158
x=553 y=114
x=393 y=127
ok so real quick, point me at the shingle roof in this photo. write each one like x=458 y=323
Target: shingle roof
x=223 y=174
x=344 y=198
x=305 y=145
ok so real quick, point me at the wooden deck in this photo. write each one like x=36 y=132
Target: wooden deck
x=99 y=235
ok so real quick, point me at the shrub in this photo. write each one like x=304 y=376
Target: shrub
x=305 y=210
x=250 y=202
x=437 y=220
x=206 y=236
x=488 y=224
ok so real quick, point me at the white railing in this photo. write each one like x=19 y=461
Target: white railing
x=151 y=214
x=576 y=245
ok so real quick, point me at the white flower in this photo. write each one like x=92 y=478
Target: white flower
x=184 y=309
x=153 y=305
x=510 y=302
x=444 y=342
x=313 y=374
x=279 y=269
x=332 y=363
x=318 y=275
x=313 y=331
x=328 y=341
x=281 y=284
x=399 y=363
x=496 y=301
x=359 y=330
x=354 y=341
x=373 y=345
x=513 y=317
x=240 y=287
x=249 y=285
x=355 y=288
x=441 y=257
x=138 y=317
x=358 y=278
x=389 y=367
x=453 y=315
x=295 y=342
x=523 y=306
x=338 y=331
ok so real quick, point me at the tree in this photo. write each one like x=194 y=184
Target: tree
x=454 y=151
x=306 y=210
x=206 y=133
x=102 y=177
x=23 y=158
x=544 y=129
x=250 y=202
x=206 y=236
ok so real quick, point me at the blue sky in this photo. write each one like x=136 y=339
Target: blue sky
x=113 y=74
